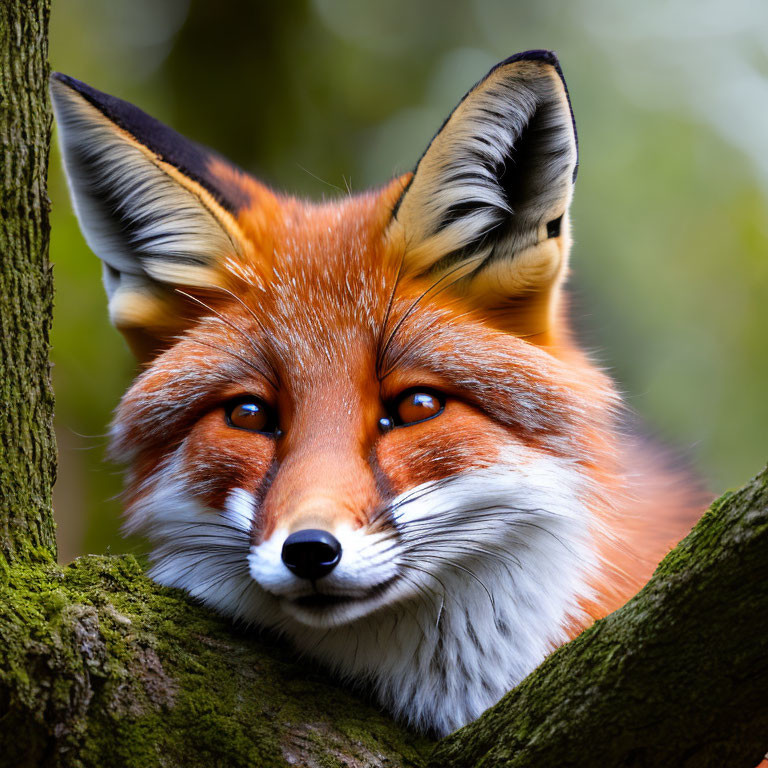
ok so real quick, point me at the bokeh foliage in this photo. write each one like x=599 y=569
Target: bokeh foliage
x=670 y=267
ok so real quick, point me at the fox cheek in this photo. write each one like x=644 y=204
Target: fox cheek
x=459 y=440
x=218 y=460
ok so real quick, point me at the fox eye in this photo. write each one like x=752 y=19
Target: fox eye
x=417 y=405
x=252 y=414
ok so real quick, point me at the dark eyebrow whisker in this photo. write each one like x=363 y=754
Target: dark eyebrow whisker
x=232 y=354
x=412 y=308
x=258 y=322
x=260 y=352
x=248 y=309
x=388 y=312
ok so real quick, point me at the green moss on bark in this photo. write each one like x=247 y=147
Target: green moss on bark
x=100 y=666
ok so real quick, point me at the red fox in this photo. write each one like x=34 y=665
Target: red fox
x=365 y=424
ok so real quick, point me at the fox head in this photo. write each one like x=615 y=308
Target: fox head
x=361 y=422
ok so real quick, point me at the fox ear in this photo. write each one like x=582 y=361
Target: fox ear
x=486 y=209
x=159 y=210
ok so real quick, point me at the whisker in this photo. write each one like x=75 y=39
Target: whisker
x=252 y=314
x=226 y=351
x=409 y=564
x=412 y=308
x=249 y=586
x=466 y=570
x=385 y=323
x=258 y=350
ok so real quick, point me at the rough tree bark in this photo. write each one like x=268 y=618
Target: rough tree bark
x=101 y=667
x=27 y=468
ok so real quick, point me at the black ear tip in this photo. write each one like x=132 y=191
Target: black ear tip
x=55 y=81
x=537 y=54
x=76 y=85
x=58 y=85
x=60 y=77
x=61 y=87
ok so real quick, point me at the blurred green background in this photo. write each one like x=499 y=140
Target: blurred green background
x=670 y=216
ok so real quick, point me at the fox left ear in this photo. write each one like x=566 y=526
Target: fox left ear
x=159 y=210
x=486 y=209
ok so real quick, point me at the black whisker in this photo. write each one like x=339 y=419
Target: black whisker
x=411 y=309
x=258 y=350
x=385 y=323
x=231 y=353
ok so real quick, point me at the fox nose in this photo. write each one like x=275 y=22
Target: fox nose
x=311 y=553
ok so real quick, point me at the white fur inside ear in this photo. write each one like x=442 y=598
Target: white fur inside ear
x=135 y=216
x=499 y=170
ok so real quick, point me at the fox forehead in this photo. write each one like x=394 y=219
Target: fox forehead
x=320 y=244
x=318 y=277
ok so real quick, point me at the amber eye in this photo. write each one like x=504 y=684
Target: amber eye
x=417 y=405
x=252 y=414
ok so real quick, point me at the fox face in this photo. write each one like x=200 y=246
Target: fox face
x=363 y=423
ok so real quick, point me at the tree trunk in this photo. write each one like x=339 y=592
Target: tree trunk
x=101 y=667
x=27 y=469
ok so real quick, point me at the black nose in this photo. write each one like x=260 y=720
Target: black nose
x=311 y=554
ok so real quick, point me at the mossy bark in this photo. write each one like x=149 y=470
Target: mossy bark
x=27 y=443
x=101 y=667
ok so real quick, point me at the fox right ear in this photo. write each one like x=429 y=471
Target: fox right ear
x=486 y=210
x=159 y=210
